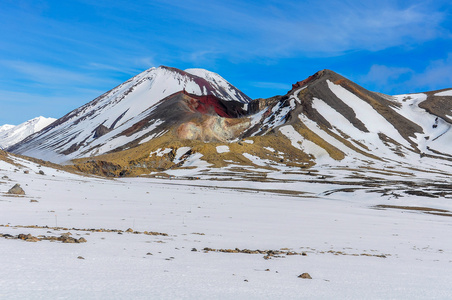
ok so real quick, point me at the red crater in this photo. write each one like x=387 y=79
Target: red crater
x=210 y=104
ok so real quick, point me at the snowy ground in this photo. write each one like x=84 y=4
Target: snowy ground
x=353 y=249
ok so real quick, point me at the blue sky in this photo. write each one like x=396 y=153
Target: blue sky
x=58 y=55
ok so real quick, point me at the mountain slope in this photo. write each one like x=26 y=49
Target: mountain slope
x=10 y=134
x=344 y=119
x=104 y=124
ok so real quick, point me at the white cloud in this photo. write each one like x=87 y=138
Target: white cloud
x=437 y=75
x=325 y=28
x=384 y=75
x=50 y=75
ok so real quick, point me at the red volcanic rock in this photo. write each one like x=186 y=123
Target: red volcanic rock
x=302 y=83
x=210 y=104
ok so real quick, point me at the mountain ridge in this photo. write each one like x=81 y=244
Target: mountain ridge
x=325 y=118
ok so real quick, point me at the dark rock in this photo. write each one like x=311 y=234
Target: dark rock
x=420 y=193
x=305 y=276
x=68 y=240
x=28 y=238
x=23 y=236
x=16 y=190
x=100 y=131
x=41 y=172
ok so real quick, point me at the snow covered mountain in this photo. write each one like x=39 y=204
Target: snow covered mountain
x=10 y=134
x=165 y=119
x=329 y=117
x=6 y=127
x=105 y=123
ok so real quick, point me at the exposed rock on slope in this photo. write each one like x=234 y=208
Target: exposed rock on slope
x=16 y=190
x=439 y=103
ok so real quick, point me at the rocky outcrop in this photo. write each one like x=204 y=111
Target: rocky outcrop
x=16 y=190
x=439 y=103
x=305 y=276
x=100 y=131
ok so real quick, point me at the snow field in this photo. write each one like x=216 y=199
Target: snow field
x=308 y=147
x=219 y=215
x=373 y=121
x=444 y=93
x=222 y=149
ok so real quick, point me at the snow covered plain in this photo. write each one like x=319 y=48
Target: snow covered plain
x=353 y=248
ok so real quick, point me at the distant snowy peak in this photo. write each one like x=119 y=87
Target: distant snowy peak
x=35 y=125
x=6 y=127
x=10 y=134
